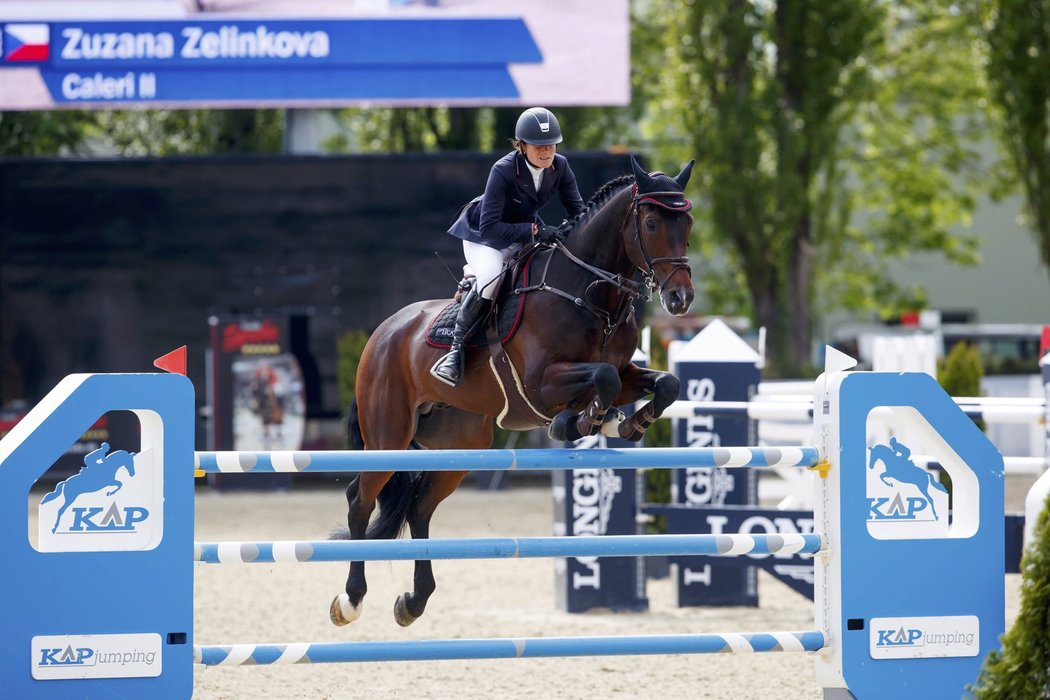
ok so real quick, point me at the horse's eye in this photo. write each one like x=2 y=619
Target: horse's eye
x=650 y=225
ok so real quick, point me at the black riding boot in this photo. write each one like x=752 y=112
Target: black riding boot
x=472 y=312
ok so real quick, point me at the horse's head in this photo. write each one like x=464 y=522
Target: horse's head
x=657 y=240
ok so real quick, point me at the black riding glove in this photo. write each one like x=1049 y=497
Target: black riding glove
x=548 y=234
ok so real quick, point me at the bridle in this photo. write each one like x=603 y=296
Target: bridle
x=678 y=261
x=630 y=289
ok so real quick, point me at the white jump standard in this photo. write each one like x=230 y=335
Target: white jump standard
x=909 y=588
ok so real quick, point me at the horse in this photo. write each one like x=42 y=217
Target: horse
x=902 y=470
x=98 y=472
x=569 y=364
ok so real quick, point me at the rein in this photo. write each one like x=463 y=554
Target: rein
x=630 y=289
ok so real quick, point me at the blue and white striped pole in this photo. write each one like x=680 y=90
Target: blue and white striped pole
x=727 y=545
x=505 y=460
x=508 y=648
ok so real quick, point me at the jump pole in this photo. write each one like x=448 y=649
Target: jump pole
x=908 y=603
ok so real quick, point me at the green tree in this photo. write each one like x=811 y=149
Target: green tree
x=825 y=147
x=141 y=132
x=30 y=134
x=168 y=132
x=1017 y=42
x=1022 y=668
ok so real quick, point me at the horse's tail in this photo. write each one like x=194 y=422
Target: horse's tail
x=54 y=494
x=354 y=439
x=394 y=501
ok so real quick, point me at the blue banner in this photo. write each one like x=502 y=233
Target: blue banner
x=271 y=60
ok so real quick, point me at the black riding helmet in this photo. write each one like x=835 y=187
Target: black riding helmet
x=538 y=126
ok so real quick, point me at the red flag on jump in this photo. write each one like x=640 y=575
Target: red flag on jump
x=174 y=361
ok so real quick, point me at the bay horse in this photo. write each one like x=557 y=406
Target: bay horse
x=570 y=359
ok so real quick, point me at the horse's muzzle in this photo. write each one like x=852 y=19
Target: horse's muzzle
x=677 y=300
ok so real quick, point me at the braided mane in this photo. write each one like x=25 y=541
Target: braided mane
x=600 y=197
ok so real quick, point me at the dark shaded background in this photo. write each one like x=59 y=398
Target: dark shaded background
x=108 y=264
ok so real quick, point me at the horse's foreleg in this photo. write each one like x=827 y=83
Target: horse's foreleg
x=638 y=383
x=361 y=501
x=567 y=383
x=607 y=385
x=118 y=484
x=436 y=487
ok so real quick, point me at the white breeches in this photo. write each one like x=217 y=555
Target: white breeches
x=486 y=263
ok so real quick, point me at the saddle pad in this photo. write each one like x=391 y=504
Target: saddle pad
x=509 y=306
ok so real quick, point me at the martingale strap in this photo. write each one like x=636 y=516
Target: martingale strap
x=630 y=289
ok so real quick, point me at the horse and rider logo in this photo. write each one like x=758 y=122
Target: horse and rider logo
x=902 y=475
x=100 y=471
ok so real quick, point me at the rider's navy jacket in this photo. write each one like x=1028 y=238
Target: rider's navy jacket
x=504 y=215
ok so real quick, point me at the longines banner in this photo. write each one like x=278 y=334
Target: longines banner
x=313 y=53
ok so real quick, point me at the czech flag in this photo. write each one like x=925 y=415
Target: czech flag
x=24 y=43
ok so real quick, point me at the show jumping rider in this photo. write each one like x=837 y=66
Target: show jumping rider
x=498 y=223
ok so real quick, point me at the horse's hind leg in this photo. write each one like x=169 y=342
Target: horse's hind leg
x=436 y=487
x=375 y=423
x=361 y=497
x=443 y=428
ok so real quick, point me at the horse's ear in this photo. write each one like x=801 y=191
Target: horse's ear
x=645 y=183
x=682 y=178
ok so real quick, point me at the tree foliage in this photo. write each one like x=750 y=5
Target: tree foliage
x=141 y=132
x=1021 y=669
x=1017 y=34
x=193 y=131
x=833 y=138
x=29 y=134
x=826 y=147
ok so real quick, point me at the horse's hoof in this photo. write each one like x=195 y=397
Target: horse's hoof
x=611 y=425
x=401 y=611
x=563 y=428
x=342 y=612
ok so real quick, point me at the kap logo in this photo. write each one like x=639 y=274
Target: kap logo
x=81 y=656
x=924 y=637
x=100 y=471
x=113 y=502
x=902 y=491
x=899 y=638
x=67 y=657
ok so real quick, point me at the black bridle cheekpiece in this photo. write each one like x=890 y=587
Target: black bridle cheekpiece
x=660 y=190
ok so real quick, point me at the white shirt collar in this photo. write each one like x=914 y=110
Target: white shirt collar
x=537 y=174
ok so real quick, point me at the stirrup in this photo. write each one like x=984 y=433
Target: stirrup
x=455 y=376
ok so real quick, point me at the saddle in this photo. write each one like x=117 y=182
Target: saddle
x=508 y=309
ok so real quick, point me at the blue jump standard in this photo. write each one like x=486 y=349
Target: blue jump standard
x=505 y=548
x=505 y=460
x=508 y=648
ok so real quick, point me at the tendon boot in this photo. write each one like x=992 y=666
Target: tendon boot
x=472 y=313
